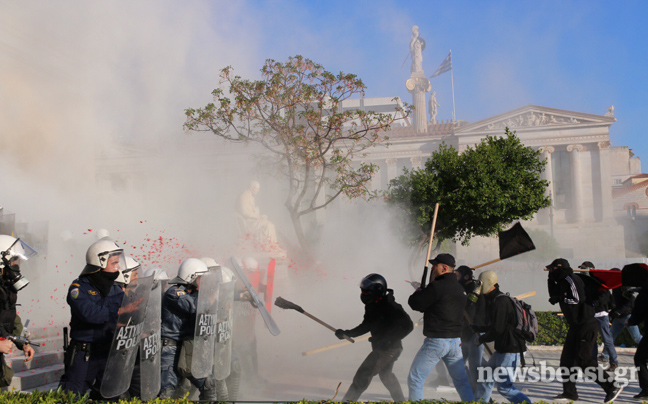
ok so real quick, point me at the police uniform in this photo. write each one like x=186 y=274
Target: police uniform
x=93 y=323
x=9 y=322
x=178 y=323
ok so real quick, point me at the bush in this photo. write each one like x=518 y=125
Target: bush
x=552 y=330
x=61 y=397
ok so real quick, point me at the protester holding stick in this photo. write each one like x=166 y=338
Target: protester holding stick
x=443 y=302
x=476 y=314
x=388 y=324
x=569 y=291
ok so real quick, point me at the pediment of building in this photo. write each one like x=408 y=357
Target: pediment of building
x=533 y=117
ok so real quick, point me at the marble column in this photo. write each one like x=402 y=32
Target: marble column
x=376 y=180
x=545 y=154
x=417 y=162
x=392 y=169
x=606 y=182
x=576 y=182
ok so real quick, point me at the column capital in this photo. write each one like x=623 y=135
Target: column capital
x=391 y=161
x=575 y=148
x=604 y=145
x=416 y=160
x=547 y=149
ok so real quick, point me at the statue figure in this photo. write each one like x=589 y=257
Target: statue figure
x=433 y=108
x=610 y=111
x=255 y=223
x=417 y=44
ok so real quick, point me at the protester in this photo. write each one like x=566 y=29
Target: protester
x=443 y=302
x=602 y=302
x=476 y=310
x=509 y=346
x=569 y=291
x=388 y=324
x=624 y=298
x=640 y=315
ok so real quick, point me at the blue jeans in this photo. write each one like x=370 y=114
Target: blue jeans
x=505 y=386
x=473 y=353
x=619 y=323
x=608 y=343
x=432 y=351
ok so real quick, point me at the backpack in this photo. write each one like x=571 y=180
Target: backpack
x=526 y=326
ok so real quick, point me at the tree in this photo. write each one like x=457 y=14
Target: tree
x=295 y=111
x=480 y=191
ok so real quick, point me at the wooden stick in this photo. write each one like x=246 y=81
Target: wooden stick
x=487 y=263
x=366 y=337
x=525 y=295
x=427 y=258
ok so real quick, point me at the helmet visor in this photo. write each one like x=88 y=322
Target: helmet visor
x=114 y=260
x=21 y=250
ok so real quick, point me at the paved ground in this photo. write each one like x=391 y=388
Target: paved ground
x=321 y=384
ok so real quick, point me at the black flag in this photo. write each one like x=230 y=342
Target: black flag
x=514 y=241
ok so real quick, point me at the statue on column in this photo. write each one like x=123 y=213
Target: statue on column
x=610 y=111
x=253 y=222
x=433 y=108
x=417 y=44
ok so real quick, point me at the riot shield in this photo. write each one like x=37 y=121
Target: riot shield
x=150 y=345
x=223 y=347
x=269 y=321
x=123 y=350
x=202 y=360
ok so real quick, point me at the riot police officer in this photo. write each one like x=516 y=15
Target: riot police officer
x=12 y=251
x=179 y=305
x=94 y=300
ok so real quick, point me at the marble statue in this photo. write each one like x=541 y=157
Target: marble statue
x=433 y=108
x=417 y=44
x=255 y=223
x=610 y=111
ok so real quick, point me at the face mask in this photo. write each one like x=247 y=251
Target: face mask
x=366 y=299
x=14 y=278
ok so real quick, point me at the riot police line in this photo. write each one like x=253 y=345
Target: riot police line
x=137 y=333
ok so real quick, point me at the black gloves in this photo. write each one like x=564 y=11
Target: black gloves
x=554 y=299
x=340 y=333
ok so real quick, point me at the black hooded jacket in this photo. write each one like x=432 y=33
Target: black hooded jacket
x=387 y=322
x=568 y=290
x=443 y=302
x=503 y=319
x=640 y=309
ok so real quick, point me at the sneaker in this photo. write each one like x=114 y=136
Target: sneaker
x=612 y=394
x=612 y=367
x=643 y=394
x=603 y=359
x=564 y=397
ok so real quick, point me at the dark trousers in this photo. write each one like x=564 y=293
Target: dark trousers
x=82 y=375
x=577 y=353
x=379 y=363
x=640 y=360
x=169 y=371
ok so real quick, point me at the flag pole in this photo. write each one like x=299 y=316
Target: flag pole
x=453 y=98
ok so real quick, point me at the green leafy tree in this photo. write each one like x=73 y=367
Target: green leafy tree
x=480 y=191
x=295 y=111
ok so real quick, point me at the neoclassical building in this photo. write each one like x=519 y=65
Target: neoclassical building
x=582 y=168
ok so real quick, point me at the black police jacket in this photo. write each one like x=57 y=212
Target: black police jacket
x=179 y=313
x=443 y=302
x=94 y=317
x=387 y=322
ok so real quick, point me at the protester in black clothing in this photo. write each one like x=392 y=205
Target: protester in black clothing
x=624 y=298
x=569 y=291
x=639 y=315
x=502 y=317
x=388 y=324
x=476 y=312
